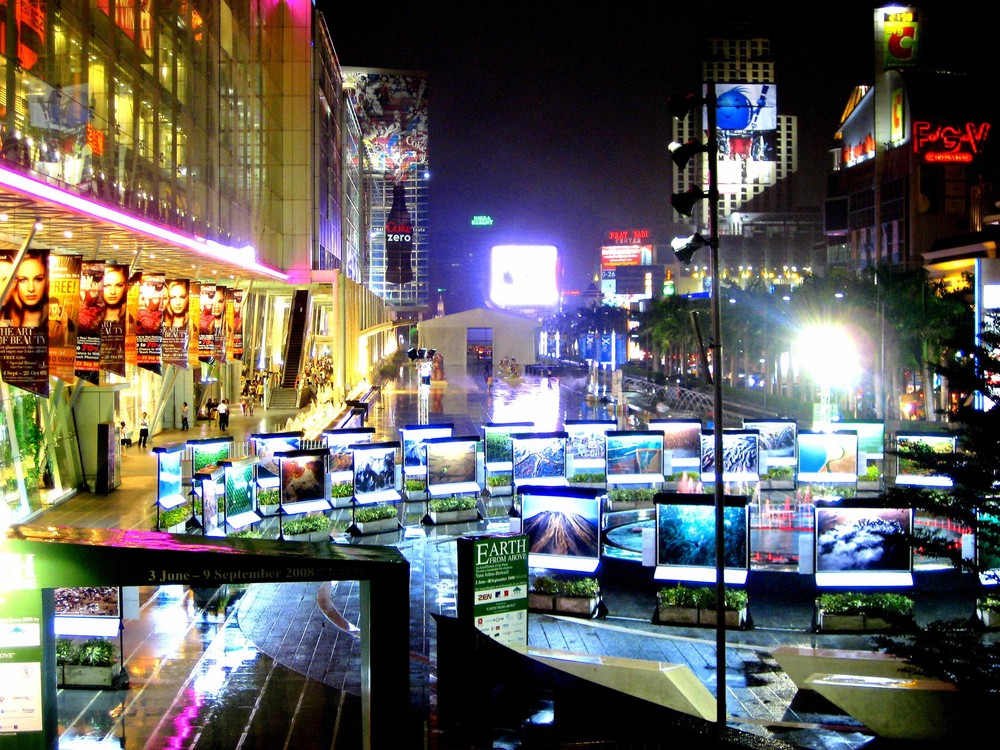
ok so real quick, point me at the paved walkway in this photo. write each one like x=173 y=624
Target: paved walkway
x=278 y=665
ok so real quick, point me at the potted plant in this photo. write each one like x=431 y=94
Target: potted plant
x=310 y=528
x=268 y=500
x=679 y=604
x=578 y=596
x=853 y=610
x=93 y=664
x=734 y=600
x=452 y=510
x=174 y=520
x=630 y=498
x=65 y=653
x=870 y=478
x=542 y=594
x=375 y=519
x=499 y=483
x=988 y=609
x=673 y=481
x=415 y=489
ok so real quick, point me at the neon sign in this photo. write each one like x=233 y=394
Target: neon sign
x=949 y=144
x=482 y=221
x=628 y=236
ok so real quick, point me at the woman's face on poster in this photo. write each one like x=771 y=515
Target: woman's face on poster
x=114 y=287
x=31 y=282
x=178 y=299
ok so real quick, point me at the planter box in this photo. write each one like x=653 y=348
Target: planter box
x=677 y=615
x=541 y=602
x=177 y=528
x=268 y=510
x=623 y=505
x=868 y=486
x=416 y=496
x=312 y=536
x=436 y=517
x=80 y=676
x=840 y=622
x=989 y=619
x=576 y=605
x=777 y=484
x=377 y=527
x=734 y=618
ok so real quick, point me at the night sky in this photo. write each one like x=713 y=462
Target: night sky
x=557 y=124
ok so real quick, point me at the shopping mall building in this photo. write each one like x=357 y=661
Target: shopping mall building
x=192 y=149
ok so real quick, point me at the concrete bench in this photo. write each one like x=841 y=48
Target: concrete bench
x=672 y=685
x=801 y=662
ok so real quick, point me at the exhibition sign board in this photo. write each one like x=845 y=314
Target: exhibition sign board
x=493 y=586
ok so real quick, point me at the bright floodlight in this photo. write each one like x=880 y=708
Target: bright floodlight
x=830 y=355
x=523 y=276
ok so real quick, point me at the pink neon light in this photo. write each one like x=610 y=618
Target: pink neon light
x=215 y=250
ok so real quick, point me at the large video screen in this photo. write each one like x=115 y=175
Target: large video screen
x=681 y=444
x=497 y=449
x=412 y=437
x=265 y=445
x=585 y=446
x=563 y=525
x=857 y=546
x=375 y=472
x=828 y=457
x=685 y=538
x=740 y=456
x=451 y=465
x=339 y=443
x=907 y=471
x=539 y=458
x=524 y=275
x=635 y=457
x=777 y=442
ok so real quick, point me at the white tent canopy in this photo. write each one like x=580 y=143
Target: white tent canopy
x=513 y=337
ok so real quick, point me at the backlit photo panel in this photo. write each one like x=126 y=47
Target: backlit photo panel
x=740 y=456
x=681 y=444
x=828 y=457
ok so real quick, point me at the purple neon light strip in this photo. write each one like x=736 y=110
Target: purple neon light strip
x=48 y=193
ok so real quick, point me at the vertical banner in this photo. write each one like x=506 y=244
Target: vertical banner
x=194 y=322
x=206 y=326
x=219 y=328
x=149 y=322
x=131 y=311
x=176 y=327
x=115 y=295
x=88 y=321
x=24 y=322
x=64 y=301
x=235 y=322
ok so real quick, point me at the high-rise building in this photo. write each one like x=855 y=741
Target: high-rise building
x=763 y=232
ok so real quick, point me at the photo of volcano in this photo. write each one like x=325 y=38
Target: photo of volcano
x=562 y=526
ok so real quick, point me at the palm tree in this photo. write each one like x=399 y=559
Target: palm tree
x=667 y=329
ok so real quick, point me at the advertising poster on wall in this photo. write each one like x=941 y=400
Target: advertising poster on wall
x=24 y=321
x=493 y=586
x=206 y=327
x=64 y=301
x=234 y=322
x=149 y=321
x=114 y=292
x=194 y=323
x=175 y=330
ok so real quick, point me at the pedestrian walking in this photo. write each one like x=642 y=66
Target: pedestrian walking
x=184 y=416
x=223 y=409
x=143 y=430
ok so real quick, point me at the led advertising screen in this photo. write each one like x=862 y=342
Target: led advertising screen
x=539 y=458
x=635 y=457
x=339 y=443
x=304 y=480
x=828 y=457
x=265 y=446
x=208 y=452
x=563 y=525
x=497 y=449
x=524 y=276
x=746 y=133
x=908 y=473
x=685 y=538
x=375 y=472
x=169 y=478
x=585 y=444
x=858 y=546
x=681 y=444
x=740 y=456
x=451 y=466
x=412 y=437
x=777 y=441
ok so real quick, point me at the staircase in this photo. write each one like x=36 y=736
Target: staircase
x=296 y=336
x=283 y=398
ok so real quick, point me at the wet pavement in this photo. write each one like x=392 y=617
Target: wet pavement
x=278 y=665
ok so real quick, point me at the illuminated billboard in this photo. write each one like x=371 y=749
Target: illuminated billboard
x=746 y=132
x=563 y=525
x=685 y=538
x=828 y=457
x=524 y=276
x=908 y=472
x=681 y=444
x=740 y=456
x=863 y=546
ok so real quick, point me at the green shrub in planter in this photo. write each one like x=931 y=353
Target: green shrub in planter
x=588 y=478
x=175 y=516
x=269 y=496
x=990 y=604
x=306 y=524
x=678 y=596
x=871 y=474
x=778 y=473
x=735 y=599
x=375 y=513
x=634 y=494
x=587 y=588
x=96 y=652
x=65 y=651
x=414 y=485
x=502 y=479
x=883 y=605
x=446 y=504
x=545 y=585
x=247 y=534
x=682 y=475
x=342 y=490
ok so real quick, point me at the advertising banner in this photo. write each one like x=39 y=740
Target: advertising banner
x=206 y=324
x=493 y=586
x=64 y=302
x=24 y=322
x=115 y=297
x=194 y=321
x=175 y=329
x=149 y=321
x=234 y=308
x=88 y=321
